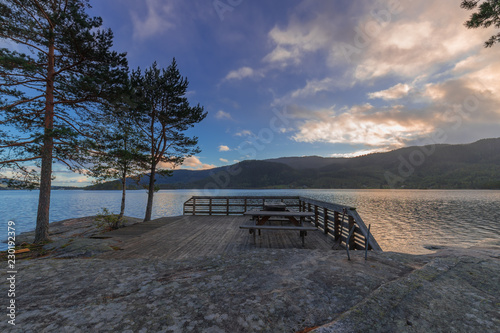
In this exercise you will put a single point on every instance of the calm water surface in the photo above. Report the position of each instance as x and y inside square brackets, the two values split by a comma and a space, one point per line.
[401, 220]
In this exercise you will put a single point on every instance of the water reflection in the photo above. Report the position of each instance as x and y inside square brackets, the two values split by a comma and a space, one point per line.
[402, 220]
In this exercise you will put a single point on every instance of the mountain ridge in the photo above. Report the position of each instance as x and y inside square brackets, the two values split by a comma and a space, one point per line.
[448, 166]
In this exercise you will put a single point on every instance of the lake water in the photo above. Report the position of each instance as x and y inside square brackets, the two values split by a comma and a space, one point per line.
[401, 220]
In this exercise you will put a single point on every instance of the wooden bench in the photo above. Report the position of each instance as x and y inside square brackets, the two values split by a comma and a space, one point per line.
[252, 227]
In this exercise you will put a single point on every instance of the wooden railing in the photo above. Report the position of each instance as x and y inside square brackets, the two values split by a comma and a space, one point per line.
[337, 221]
[237, 205]
[334, 220]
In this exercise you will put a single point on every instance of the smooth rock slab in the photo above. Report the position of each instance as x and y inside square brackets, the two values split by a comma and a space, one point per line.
[260, 291]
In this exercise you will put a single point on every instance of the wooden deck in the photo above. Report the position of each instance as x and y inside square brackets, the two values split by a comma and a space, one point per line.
[183, 237]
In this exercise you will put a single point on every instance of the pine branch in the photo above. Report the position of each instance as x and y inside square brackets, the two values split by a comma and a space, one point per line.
[21, 4]
[11, 37]
[20, 116]
[17, 144]
[68, 122]
[21, 102]
[20, 160]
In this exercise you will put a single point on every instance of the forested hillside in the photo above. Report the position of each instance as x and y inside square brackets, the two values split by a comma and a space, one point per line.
[470, 166]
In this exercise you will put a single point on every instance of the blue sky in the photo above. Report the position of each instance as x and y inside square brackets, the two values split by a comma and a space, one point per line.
[329, 78]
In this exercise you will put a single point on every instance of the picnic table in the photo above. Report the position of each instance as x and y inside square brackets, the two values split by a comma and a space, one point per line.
[261, 217]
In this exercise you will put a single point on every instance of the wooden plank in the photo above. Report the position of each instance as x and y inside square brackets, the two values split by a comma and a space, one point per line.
[278, 227]
[199, 236]
[228, 205]
[278, 213]
[316, 216]
[325, 221]
[352, 243]
[336, 219]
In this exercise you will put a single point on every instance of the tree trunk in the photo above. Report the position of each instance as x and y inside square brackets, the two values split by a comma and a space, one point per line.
[42, 219]
[124, 192]
[151, 191]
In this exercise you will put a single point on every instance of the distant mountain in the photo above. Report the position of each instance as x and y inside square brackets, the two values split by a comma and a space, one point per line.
[469, 166]
[309, 162]
[17, 185]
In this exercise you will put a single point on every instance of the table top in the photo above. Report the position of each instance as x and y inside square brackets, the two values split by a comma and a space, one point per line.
[278, 213]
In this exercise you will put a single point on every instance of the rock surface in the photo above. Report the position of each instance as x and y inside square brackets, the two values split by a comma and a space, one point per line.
[261, 290]
[74, 238]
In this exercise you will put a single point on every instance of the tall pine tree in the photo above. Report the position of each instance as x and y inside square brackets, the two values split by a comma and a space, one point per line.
[58, 69]
[164, 114]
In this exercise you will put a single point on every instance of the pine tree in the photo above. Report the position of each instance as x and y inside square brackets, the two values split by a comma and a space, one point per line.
[59, 67]
[117, 149]
[163, 115]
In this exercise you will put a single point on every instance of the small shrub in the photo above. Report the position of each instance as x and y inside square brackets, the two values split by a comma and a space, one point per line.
[107, 220]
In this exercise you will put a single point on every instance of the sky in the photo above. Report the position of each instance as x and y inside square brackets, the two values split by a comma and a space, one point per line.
[327, 78]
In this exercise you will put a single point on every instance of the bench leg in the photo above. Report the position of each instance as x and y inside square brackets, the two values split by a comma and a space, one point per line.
[253, 231]
[303, 236]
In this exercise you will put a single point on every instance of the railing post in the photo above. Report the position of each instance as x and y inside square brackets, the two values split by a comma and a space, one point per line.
[352, 243]
[325, 220]
[336, 225]
[245, 209]
[316, 216]
[194, 206]
[210, 206]
[227, 206]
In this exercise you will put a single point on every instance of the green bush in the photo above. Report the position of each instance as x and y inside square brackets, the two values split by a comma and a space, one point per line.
[107, 220]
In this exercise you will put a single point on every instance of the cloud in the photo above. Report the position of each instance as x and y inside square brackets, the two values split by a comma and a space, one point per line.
[313, 87]
[224, 148]
[299, 38]
[223, 160]
[421, 51]
[360, 152]
[374, 39]
[70, 179]
[194, 163]
[223, 115]
[244, 133]
[365, 124]
[242, 73]
[158, 19]
[396, 92]
[419, 39]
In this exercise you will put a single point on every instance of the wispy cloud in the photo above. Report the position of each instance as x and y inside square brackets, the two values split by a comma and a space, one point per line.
[396, 92]
[224, 148]
[244, 133]
[243, 72]
[299, 38]
[223, 115]
[157, 19]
